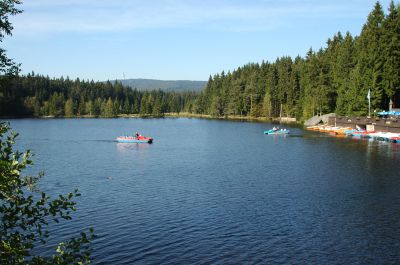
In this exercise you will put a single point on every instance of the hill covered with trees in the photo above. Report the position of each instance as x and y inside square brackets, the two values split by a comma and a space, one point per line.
[165, 85]
[36, 95]
[335, 78]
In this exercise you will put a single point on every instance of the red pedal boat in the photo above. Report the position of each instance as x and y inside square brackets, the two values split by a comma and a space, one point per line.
[132, 139]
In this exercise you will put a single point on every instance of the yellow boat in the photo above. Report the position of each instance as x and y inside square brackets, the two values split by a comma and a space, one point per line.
[313, 128]
[326, 128]
[341, 131]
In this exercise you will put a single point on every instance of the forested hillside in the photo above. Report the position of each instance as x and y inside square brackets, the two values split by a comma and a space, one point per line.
[332, 79]
[33, 95]
[165, 85]
[335, 78]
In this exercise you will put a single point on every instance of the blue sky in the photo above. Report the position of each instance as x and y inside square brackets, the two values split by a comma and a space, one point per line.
[172, 39]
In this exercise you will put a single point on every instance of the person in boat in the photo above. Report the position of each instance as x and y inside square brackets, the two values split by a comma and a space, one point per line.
[274, 129]
[137, 135]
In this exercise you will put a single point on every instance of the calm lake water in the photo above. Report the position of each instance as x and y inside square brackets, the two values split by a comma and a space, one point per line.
[209, 191]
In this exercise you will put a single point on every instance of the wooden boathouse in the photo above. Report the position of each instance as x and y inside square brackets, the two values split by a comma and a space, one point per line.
[371, 124]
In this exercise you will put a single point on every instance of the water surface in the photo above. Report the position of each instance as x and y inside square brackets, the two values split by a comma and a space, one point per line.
[209, 191]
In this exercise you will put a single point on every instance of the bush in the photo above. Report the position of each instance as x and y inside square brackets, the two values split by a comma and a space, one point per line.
[26, 212]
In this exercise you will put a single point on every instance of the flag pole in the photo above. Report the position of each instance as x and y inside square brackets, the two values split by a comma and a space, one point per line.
[369, 102]
[369, 107]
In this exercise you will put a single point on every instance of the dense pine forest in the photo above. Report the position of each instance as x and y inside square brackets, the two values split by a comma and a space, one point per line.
[332, 79]
[336, 78]
[35, 95]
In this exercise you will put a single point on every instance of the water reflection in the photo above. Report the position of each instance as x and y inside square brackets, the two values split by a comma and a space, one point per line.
[128, 147]
[221, 192]
[373, 148]
[278, 137]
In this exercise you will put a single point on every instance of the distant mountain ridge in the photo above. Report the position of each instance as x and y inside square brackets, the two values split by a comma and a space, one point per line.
[166, 85]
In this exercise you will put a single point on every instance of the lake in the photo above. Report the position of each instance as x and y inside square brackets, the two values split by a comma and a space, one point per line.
[212, 191]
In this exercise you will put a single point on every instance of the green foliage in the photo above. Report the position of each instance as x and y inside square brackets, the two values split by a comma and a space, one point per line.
[343, 67]
[42, 96]
[109, 109]
[7, 8]
[267, 106]
[369, 67]
[26, 212]
[8, 68]
[69, 108]
[333, 79]
[56, 105]
[391, 52]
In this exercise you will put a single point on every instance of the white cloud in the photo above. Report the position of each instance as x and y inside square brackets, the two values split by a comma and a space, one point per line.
[124, 15]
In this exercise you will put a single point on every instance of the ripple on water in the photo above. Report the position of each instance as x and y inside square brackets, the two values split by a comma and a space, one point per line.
[212, 192]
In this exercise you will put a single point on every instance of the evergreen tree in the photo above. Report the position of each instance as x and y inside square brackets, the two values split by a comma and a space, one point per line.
[126, 108]
[334, 78]
[342, 70]
[7, 8]
[109, 110]
[370, 62]
[89, 108]
[97, 107]
[267, 105]
[69, 108]
[310, 74]
[81, 106]
[8, 68]
[391, 54]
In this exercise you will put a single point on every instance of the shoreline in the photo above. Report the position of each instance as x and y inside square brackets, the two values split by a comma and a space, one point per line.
[284, 120]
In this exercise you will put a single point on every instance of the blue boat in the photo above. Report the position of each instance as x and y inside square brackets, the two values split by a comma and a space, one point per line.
[350, 132]
[277, 132]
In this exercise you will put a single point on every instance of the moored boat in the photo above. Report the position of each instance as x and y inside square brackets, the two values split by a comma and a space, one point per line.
[386, 136]
[356, 133]
[342, 131]
[350, 132]
[132, 139]
[324, 128]
[313, 128]
[395, 139]
[361, 134]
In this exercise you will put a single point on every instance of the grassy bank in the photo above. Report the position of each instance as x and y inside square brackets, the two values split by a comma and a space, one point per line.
[172, 115]
[230, 117]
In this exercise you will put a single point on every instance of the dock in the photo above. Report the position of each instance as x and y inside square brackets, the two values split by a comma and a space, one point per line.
[370, 124]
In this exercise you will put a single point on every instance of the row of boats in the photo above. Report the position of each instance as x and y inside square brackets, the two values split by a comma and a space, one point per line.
[357, 133]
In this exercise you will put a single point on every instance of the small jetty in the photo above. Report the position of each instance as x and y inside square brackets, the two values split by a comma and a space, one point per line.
[383, 124]
[383, 127]
[357, 132]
